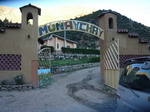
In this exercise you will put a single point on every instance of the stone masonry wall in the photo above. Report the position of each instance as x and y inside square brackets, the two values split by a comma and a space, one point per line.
[73, 67]
[62, 56]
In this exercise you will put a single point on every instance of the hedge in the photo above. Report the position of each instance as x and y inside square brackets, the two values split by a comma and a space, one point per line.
[80, 51]
[94, 59]
[51, 47]
[60, 63]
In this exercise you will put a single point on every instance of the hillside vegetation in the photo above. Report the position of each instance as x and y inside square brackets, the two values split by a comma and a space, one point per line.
[85, 40]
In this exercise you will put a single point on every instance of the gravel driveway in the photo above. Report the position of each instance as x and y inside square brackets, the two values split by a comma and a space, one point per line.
[78, 91]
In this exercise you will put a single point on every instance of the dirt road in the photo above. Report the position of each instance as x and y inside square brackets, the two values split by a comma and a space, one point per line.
[78, 91]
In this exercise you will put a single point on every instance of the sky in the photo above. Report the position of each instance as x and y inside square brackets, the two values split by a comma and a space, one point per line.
[137, 10]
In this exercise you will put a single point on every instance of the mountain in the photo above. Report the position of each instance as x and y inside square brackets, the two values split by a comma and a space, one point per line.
[85, 40]
[47, 15]
[11, 14]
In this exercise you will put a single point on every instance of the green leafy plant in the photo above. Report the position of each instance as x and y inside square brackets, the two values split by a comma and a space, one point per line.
[94, 59]
[4, 82]
[80, 51]
[19, 79]
[60, 63]
[51, 47]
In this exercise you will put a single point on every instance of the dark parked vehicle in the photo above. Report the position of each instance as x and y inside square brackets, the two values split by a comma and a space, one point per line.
[134, 86]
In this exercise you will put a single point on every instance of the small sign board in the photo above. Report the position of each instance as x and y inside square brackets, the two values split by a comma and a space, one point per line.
[44, 77]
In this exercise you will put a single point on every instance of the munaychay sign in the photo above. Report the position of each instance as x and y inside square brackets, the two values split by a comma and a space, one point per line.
[70, 25]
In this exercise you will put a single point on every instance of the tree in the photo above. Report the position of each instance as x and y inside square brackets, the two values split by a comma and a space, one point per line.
[5, 20]
[1, 23]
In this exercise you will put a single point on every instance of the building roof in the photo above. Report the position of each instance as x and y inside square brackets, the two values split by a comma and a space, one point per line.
[133, 35]
[53, 35]
[109, 11]
[122, 30]
[10, 26]
[144, 40]
[39, 10]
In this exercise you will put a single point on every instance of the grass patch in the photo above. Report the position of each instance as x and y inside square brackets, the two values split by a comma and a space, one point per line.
[59, 63]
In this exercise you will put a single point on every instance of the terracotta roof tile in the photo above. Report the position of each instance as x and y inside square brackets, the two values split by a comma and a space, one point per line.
[122, 30]
[133, 35]
[109, 11]
[144, 40]
[12, 25]
[39, 10]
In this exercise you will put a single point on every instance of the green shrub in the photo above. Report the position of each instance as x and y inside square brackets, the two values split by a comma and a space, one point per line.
[94, 59]
[60, 63]
[51, 47]
[18, 79]
[80, 51]
[4, 82]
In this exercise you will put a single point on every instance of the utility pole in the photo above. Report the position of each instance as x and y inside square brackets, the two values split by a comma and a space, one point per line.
[65, 38]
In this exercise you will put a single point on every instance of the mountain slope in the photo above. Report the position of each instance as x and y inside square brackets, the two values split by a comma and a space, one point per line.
[86, 40]
[123, 22]
[11, 14]
[47, 15]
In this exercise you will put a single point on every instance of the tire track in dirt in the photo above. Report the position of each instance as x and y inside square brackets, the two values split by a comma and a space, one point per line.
[109, 102]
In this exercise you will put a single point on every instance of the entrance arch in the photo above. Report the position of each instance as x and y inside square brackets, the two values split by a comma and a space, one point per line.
[71, 25]
[109, 51]
[74, 25]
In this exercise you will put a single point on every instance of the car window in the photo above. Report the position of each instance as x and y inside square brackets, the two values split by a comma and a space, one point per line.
[136, 76]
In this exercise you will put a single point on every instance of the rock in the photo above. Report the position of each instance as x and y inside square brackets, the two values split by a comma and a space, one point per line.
[20, 86]
[7, 86]
[13, 86]
[16, 86]
[29, 85]
[10, 89]
[24, 88]
[29, 88]
[24, 85]
[3, 88]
